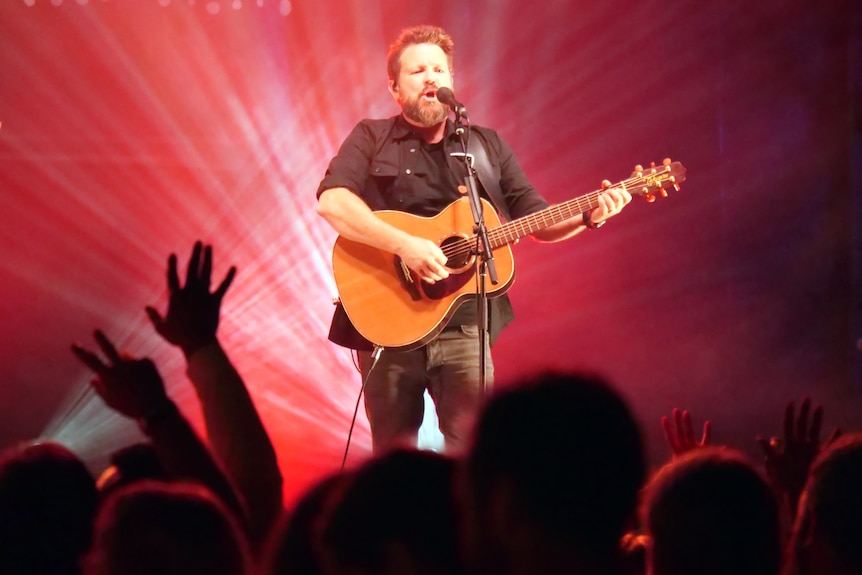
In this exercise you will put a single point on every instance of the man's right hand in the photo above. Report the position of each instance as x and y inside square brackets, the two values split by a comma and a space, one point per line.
[351, 217]
[424, 258]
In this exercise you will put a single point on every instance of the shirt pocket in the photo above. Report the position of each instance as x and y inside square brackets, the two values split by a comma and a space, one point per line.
[383, 168]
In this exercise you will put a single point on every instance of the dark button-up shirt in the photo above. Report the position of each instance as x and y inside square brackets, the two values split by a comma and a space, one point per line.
[383, 162]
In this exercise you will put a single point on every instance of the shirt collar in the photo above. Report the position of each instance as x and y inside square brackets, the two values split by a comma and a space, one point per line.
[404, 131]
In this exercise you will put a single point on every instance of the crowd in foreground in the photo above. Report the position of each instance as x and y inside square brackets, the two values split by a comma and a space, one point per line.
[555, 480]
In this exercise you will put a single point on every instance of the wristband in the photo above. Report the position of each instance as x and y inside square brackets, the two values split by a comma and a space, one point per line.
[590, 224]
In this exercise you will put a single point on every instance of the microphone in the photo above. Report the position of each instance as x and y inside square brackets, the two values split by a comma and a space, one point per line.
[447, 96]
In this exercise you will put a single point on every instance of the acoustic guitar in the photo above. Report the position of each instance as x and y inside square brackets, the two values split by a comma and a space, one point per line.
[395, 310]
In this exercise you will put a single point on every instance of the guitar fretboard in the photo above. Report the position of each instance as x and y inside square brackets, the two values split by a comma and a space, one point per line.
[516, 229]
[643, 183]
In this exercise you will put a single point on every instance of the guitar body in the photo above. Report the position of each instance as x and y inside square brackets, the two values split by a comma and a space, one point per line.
[392, 308]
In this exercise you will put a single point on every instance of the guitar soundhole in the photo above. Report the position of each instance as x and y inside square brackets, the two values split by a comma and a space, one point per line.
[460, 260]
[459, 252]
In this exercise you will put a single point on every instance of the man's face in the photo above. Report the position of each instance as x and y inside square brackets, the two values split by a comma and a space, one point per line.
[424, 69]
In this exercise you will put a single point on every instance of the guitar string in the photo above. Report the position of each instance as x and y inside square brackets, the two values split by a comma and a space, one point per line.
[464, 245]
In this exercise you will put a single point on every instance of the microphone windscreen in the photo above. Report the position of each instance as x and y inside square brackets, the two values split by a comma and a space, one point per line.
[447, 96]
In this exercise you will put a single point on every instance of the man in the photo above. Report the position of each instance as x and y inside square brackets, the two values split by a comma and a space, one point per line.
[710, 512]
[551, 480]
[405, 163]
[828, 526]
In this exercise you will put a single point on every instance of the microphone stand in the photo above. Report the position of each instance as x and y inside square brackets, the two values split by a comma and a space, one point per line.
[485, 266]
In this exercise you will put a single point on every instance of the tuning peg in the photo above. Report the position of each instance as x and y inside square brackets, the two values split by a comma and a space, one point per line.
[649, 197]
[672, 180]
[666, 162]
[663, 193]
[639, 168]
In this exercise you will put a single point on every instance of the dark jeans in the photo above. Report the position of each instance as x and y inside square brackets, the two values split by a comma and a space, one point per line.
[448, 367]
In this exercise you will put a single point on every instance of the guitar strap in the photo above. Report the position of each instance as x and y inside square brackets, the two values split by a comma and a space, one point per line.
[488, 177]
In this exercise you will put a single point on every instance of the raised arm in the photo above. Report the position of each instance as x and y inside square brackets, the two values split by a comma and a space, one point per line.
[788, 459]
[234, 428]
[133, 387]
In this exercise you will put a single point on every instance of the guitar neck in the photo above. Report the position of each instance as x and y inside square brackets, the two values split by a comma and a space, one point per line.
[535, 222]
[641, 183]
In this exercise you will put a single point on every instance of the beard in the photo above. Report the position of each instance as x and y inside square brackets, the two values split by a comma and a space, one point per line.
[425, 113]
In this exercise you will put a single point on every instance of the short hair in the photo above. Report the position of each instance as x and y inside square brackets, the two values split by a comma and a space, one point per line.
[572, 451]
[129, 464]
[295, 547]
[48, 500]
[404, 497]
[167, 528]
[711, 512]
[832, 501]
[423, 34]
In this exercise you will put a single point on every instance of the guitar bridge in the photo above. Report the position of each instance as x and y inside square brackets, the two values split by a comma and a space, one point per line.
[406, 276]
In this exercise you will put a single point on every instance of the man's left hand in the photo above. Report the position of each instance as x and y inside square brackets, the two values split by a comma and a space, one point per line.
[611, 202]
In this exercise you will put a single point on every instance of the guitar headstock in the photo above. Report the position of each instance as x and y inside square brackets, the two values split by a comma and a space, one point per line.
[656, 179]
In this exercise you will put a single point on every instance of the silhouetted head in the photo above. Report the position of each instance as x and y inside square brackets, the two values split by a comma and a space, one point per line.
[130, 464]
[48, 501]
[397, 515]
[710, 512]
[557, 458]
[171, 529]
[827, 536]
[295, 545]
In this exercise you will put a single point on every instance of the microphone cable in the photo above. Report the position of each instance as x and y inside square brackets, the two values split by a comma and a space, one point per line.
[375, 356]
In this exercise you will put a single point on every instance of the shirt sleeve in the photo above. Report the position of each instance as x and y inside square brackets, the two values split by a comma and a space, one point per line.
[349, 168]
[521, 197]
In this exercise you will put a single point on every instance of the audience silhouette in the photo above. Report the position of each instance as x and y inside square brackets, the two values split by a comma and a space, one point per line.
[709, 512]
[150, 528]
[789, 458]
[827, 535]
[234, 428]
[48, 500]
[551, 483]
[397, 515]
[134, 388]
[130, 464]
[552, 478]
[296, 547]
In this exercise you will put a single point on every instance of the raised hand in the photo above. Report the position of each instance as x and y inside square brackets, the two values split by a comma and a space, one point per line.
[789, 459]
[130, 386]
[234, 429]
[134, 388]
[680, 434]
[193, 312]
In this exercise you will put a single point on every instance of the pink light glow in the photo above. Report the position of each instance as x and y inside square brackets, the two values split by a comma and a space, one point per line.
[130, 130]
